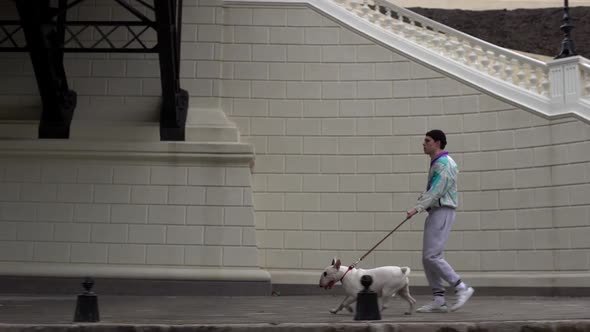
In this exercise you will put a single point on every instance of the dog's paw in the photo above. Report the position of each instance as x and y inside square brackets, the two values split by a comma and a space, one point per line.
[407, 313]
[334, 311]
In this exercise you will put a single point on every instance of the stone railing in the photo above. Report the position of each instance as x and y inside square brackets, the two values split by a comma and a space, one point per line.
[511, 67]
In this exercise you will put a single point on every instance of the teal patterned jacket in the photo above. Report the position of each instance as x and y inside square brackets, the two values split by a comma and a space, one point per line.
[442, 185]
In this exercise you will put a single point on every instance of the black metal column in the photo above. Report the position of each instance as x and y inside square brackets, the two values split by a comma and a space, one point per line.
[44, 42]
[174, 100]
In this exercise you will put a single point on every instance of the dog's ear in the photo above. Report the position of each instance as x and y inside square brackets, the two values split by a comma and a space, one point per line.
[333, 261]
[337, 265]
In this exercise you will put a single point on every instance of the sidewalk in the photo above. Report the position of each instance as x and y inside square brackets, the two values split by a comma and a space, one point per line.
[289, 313]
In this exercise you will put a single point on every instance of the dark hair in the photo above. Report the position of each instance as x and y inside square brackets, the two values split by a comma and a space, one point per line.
[438, 136]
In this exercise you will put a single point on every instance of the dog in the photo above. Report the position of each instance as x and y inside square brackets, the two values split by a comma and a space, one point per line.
[387, 281]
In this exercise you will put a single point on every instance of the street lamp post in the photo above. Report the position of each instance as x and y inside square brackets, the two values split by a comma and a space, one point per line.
[567, 45]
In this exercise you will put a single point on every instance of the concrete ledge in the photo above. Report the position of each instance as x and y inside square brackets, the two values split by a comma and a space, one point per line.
[143, 287]
[128, 150]
[495, 280]
[295, 289]
[131, 272]
[44, 278]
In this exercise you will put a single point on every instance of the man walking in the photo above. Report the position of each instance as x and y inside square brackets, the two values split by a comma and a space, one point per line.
[440, 200]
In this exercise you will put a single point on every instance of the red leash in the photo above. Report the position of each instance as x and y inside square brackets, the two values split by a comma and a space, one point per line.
[353, 265]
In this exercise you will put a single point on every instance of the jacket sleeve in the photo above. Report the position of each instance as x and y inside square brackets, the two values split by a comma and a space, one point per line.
[440, 184]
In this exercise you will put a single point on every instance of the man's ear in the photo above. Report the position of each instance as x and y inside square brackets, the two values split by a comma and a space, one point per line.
[337, 265]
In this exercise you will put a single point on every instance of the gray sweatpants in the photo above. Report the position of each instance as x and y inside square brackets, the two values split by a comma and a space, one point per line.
[436, 232]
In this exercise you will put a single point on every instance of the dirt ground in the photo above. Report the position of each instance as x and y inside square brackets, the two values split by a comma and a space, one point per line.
[528, 30]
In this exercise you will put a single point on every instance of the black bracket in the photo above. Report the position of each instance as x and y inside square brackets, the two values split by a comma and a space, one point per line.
[44, 31]
[174, 100]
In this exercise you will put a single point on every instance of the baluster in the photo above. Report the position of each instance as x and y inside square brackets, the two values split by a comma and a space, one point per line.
[448, 46]
[545, 84]
[398, 26]
[533, 79]
[421, 36]
[520, 74]
[375, 16]
[454, 47]
[437, 43]
[497, 66]
[409, 30]
[508, 70]
[472, 56]
[461, 52]
[429, 37]
[387, 20]
[365, 9]
[485, 61]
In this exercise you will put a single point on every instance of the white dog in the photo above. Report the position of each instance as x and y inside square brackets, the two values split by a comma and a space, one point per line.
[387, 281]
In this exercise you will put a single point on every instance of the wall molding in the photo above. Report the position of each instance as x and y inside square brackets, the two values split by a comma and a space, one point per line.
[487, 279]
[177, 152]
[33, 269]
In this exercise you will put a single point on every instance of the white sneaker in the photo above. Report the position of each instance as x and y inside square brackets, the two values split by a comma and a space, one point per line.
[463, 296]
[433, 307]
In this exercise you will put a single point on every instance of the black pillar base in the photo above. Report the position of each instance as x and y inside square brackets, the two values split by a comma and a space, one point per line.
[87, 309]
[367, 306]
[87, 304]
[173, 117]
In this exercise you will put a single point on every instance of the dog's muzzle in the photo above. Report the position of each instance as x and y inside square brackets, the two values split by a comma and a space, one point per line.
[328, 285]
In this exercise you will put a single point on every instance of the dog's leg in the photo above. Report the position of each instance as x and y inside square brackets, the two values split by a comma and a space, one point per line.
[404, 293]
[341, 306]
[385, 300]
[348, 304]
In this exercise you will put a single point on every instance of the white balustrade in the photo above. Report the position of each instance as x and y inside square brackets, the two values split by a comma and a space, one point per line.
[511, 67]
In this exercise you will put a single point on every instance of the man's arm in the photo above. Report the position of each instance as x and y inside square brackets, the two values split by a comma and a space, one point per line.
[439, 186]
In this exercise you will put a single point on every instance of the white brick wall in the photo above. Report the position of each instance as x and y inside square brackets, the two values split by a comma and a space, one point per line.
[339, 155]
[113, 213]
[337, 123]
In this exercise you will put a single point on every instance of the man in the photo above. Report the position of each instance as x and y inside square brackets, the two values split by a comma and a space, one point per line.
[440, 200]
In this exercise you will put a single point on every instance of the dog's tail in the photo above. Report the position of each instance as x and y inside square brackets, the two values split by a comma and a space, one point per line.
[405, 270]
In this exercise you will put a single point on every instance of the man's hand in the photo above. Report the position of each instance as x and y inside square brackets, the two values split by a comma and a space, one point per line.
[411, 213]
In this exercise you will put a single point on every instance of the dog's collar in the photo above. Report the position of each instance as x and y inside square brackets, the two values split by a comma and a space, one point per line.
[349, 268]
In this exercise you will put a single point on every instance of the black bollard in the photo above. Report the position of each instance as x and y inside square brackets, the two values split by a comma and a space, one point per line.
[87, 304]
[367, 306]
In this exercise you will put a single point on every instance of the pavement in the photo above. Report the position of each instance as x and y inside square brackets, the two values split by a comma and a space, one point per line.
[287, 313]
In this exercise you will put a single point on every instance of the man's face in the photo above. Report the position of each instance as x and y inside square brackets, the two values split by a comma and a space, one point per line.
[429, 145]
